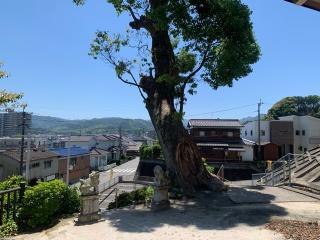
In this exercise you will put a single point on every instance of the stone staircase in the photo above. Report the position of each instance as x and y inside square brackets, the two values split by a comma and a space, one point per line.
[303, 170]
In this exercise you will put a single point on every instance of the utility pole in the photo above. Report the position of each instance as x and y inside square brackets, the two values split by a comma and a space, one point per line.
[120, 141]
[23, 125]
[259, 130]
[28, 157]
[68, 160]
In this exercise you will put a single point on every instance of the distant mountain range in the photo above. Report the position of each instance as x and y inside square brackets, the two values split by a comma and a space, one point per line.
[53, 125]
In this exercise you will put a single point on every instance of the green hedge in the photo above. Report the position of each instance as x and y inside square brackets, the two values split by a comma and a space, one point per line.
[150, 152]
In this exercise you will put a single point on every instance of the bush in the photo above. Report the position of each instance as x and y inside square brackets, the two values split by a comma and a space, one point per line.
[7, 229]
[12, 182]
[71, 201]
[45, 202]
[137, 196]
[150, 152]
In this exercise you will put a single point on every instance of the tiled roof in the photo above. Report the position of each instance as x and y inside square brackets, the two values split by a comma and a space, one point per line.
[80, 138]
[220, 123]
[74, 151]
[34, 155]
[98, 151]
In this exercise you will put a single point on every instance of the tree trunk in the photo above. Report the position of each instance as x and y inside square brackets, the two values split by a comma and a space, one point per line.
[182, 157]
[181, 154]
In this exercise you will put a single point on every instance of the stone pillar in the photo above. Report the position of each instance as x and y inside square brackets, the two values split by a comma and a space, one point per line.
[89, 210]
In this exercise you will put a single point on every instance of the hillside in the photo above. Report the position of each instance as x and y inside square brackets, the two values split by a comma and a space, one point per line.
[45, 124]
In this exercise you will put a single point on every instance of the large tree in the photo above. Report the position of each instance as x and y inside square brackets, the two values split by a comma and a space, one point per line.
[297, 105]
[7, 97]
[179, 43]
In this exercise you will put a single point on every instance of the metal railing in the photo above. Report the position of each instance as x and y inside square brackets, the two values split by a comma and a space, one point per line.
[280, 172]
[9, 202]
[106, 196]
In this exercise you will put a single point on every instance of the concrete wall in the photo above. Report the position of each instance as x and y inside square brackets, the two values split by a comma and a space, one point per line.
[253, 126]
[9, 167]
[248, 154]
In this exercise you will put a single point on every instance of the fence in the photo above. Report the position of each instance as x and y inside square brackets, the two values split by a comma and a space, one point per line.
[114, 181]
[9, 202]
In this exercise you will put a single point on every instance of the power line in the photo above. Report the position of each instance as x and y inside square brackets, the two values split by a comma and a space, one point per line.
[222, 110]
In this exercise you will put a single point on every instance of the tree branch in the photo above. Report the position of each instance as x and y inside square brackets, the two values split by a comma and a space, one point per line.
[204, 59]
[133, 84]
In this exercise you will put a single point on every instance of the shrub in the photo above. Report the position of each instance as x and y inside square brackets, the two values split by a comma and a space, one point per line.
[45, 202]
[71, 201]
[150, 152]
[12, 182]
[137, 196]
[9, 228]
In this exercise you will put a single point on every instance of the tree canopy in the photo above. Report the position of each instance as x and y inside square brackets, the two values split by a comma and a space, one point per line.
[211, 40]
[7, 97]
[300, 106]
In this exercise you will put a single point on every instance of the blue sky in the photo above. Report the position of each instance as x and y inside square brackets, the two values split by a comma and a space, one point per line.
[44, 46]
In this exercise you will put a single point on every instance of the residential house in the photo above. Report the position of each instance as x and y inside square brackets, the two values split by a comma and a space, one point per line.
[43, 164]
[217, 139]
[275, 138]
[86, 142]
[313, 4]
[306, 132]
[79, 165]
[290, 134]
[99, 159]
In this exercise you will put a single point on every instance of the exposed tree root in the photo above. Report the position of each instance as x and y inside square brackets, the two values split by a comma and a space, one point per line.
[192, 172]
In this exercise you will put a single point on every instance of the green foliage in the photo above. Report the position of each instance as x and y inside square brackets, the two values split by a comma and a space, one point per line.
[45, 202]
[300, 106]
[8, 229]
[150, 152]
[7, 97]
[215, 37]
[137, 196]
[11, 182]
[209, 168]
[71, 201]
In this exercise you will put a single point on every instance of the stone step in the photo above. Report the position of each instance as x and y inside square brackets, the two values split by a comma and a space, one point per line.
[303, 170]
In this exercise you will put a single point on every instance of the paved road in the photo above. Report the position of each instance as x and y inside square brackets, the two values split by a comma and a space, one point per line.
[127, 169]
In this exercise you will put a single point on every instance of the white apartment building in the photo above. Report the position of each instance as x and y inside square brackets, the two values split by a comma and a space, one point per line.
[306, 132]
[292, 134]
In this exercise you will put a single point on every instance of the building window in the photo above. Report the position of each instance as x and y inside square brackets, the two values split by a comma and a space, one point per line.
[35, 165]
[246, 133]
[230, 134]
[297, 132]
[303, 132]
[47, 164]
[305, 149]
[263, 132]
[251, 132]
[202, 133]
[73, 162]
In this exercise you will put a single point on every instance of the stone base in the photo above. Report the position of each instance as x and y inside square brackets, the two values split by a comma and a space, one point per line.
[94, 217]
[89, 210]
[160, 199]
[159, 206]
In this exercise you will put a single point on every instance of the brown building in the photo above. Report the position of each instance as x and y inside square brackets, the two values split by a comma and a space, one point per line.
[217, 139]
[79, 165]
[313, 4]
